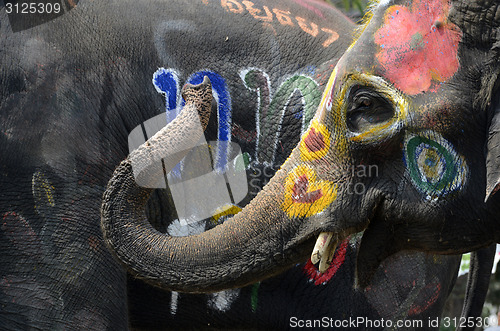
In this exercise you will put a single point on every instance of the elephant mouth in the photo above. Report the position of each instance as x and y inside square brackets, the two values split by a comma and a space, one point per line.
[328, 239]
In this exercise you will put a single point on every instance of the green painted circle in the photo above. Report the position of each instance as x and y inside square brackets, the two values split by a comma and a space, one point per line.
[450, 170]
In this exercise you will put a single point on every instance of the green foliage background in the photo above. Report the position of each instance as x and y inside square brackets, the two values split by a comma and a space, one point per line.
[348, 5]
[353, 8]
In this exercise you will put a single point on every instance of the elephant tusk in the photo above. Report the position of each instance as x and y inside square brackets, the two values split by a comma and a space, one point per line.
[327, 259]
[324, 250]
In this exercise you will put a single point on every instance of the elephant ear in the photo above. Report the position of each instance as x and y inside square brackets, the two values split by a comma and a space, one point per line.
[493, 143]
[493, 149]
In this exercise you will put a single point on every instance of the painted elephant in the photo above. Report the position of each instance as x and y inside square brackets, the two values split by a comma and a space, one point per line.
[415, 97]
[75, 86]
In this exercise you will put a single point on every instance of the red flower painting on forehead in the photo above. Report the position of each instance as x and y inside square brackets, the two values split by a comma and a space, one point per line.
[418, 46]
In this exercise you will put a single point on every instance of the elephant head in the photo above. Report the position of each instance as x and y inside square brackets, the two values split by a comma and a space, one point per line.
[405, 146]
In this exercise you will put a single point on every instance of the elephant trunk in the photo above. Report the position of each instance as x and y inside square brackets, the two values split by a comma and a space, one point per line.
[244, 249]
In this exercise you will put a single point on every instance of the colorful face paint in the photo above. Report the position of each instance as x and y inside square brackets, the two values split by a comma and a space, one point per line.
[418, 46]
[271, 113]
[305, 195]
[315, 143]
[227, 210]
[379, 132]
[434, 166]
[43, 193]
[327, 100]
[432, 292]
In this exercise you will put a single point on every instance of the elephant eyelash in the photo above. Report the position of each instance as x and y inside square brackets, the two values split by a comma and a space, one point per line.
[367, 108]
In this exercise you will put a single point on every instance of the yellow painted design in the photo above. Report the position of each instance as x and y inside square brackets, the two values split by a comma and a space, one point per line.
[225, 211]
[325, 104]
[305, 195]
[315, 143]
[384, 130]
[43, 191]
[362, 25]
[332, 103]
[339, 121]
[328, 112]
[430, 164]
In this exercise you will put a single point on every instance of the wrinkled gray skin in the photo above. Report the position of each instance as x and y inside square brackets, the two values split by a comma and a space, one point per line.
[379, 125]
[73, 89]
[399, 209]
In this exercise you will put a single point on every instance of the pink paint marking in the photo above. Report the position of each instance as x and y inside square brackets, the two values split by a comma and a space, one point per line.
[301, 193]
[415, 54]
[20, 234]
[306, 4]
[428, 296]
[238, 132]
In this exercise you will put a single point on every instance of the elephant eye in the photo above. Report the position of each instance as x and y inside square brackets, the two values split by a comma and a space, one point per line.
[367, 108]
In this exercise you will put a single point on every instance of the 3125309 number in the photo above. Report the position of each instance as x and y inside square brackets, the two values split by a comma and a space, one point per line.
[33, 8]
